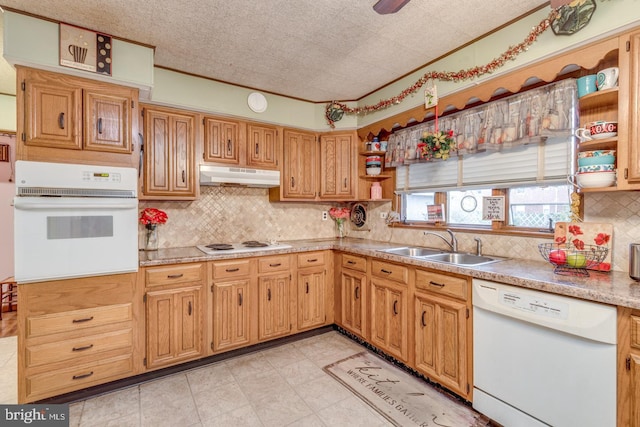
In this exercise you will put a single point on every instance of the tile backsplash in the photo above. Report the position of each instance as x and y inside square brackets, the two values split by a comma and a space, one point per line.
[234, 214]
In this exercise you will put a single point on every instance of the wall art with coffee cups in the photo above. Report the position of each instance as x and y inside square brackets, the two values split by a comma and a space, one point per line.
[85, 49]
[527, 117]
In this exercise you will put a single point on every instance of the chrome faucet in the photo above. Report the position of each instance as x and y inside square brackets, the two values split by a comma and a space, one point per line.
[478, 246]
[453, 244]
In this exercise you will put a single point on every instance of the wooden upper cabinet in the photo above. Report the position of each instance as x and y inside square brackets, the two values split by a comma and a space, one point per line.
[222, 142]
[299, 170]
[262, 146]
[633, 55]
[169, 154]
[107, 120]
[338, 166]
[58, 113]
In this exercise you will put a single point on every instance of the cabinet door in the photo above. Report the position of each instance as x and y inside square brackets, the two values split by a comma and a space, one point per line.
[53, 116]
[635, 390]
[174, 326]
[389, 318]
[441, 336]
[221, 141]
[300, 166]
[169, 152]
[338, 167]
[311, 297]
[274, 312]
[353, 301]
[231, 314]
[262, 147]
[634, 107]
[107, 120]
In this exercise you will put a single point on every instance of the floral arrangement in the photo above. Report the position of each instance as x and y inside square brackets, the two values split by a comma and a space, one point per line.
[339, 215]
[152, 216]
[436, 145]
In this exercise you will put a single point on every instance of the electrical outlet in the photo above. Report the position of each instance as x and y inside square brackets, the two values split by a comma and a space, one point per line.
[325, 215]
[383, 215]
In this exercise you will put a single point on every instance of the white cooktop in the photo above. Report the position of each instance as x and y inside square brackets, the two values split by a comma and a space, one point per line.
[237, 248]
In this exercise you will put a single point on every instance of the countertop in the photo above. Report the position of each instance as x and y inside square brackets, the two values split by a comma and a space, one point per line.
[614, 288]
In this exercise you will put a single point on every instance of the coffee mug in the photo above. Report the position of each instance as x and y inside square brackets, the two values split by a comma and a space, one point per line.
[586, 85]
[607, 78]
[583, 134]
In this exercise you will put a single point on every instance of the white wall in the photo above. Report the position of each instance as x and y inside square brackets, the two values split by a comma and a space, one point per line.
[7, 190]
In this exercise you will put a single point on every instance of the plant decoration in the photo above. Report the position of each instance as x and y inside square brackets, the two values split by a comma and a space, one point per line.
[436, 145]
[335, 109]
[151, 217]
[340, 215]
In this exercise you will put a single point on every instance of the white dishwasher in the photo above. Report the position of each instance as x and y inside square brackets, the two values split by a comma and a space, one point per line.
[542, 359]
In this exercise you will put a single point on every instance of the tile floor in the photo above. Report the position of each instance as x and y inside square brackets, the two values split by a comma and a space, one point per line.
[281, 386]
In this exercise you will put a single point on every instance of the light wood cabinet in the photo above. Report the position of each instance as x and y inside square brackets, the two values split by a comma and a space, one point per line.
[338, 166]
[274, 297]
[353, 294]
[76, 333]
[628, 381]
[313, 290]
[70, 119]
[263, 147]
[389, 308]
[300, 166]
[169, 154]
[174, 314]
[232, 299]
[443, 330]
[632, 48]
[222, 141]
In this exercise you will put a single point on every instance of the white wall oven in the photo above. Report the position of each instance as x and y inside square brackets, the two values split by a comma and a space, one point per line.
[74, 220]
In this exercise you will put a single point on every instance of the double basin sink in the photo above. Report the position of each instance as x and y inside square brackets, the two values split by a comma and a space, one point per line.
[435, 255]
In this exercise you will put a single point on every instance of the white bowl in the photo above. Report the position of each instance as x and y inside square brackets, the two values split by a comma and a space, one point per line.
[374, 171]
[596, 179]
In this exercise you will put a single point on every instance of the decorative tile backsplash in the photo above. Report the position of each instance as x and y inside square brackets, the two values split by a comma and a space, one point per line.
[234, 214]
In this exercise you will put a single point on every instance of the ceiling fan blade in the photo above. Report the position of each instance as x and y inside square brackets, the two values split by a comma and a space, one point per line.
[384, 7]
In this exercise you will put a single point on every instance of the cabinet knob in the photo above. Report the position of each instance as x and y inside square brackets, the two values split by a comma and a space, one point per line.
[395, 307]
[357, 292]
[422, 321]
[307, 285]
[61, 120]
[100, 125]
[229, 146]
[268, 294]
[190, 309]
[240, 299]
[257, 150]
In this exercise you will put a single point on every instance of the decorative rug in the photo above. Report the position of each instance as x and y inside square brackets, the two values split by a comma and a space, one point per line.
[401, 398]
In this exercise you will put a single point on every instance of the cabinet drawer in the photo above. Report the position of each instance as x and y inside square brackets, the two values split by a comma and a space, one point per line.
[389, 271]
[442, 284]
[77, 377]
[79, 347]
[635, 331]
[310, 259]
[230, 269]
[78, 319]
[354, 262]
[273, 264]
[158, 276]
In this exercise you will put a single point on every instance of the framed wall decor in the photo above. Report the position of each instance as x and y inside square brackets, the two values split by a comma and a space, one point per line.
[85, 49]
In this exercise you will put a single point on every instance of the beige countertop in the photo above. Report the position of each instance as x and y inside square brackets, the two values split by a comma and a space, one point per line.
[615, 288]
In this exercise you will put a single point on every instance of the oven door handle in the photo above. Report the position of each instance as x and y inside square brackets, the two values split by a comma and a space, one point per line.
[37, 206]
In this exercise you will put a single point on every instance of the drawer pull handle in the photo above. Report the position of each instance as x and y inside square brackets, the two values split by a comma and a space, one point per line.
[190, 308]
[357, 292]
[61, 120]
[424, 323]
[232, 270]
[240, 299]
[351, 262]
[440, 285]
[395, 307]
[100, 125]
[257, 150]
[184, 176]
[345, 183]
[86, 347]
[79, 377]
[313, 260]
[293, 182]
[307, 284]
[275, 265]
[86, 319]
[385, 271]
[268, 294]
[229, 146]
[174, 276]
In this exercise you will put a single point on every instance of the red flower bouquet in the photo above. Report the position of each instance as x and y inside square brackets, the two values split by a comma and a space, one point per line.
[153, 216]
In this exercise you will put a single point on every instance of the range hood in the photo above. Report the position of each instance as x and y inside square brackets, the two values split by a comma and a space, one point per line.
[224, 175]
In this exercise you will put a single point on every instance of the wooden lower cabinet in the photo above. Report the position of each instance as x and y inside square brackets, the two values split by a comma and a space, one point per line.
[628, 367]
[389, 317]
[313, 290]
[174, 325]
[231, 321]
[174, 314]
[274, 312]
[76, 333]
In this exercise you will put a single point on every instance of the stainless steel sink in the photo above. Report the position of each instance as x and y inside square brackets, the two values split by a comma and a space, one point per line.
[461, 258]
[413, 251]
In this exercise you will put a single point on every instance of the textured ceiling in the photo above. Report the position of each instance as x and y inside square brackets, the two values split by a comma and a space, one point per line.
[317, 50]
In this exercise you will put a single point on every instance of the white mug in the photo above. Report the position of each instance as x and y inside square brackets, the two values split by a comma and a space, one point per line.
[607, 78]
[583, 134]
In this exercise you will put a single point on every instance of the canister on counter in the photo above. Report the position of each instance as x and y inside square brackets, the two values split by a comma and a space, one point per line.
[634, 261]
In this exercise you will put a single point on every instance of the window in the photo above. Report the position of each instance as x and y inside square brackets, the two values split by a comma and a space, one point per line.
[465, 207]
[539, 207]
